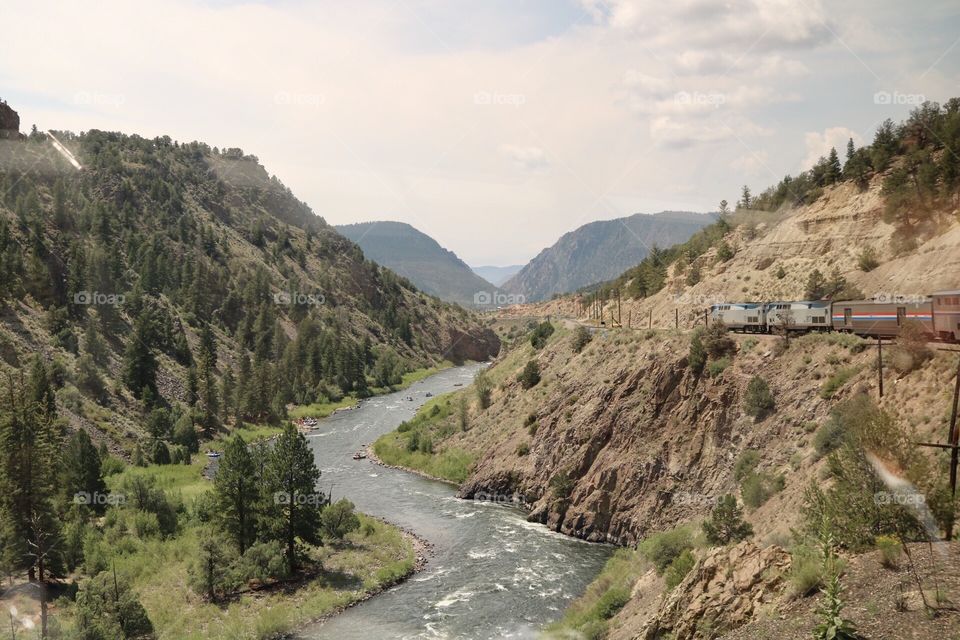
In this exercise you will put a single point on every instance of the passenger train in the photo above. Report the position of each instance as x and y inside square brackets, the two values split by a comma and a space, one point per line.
[938, 314]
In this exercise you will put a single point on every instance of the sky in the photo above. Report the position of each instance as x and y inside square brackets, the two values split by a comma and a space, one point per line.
[495, 126]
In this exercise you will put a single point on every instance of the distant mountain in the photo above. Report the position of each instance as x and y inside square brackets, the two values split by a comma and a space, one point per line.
[497, 275]
[601, 250]
[419, 258]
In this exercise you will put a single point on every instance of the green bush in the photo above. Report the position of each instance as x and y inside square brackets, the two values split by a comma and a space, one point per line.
[611, 602]
[679, 568]
[426, 445]
[107, 607]
[562, 485]
[716, 367]
[867, 260]
[262, 562]
[581, 338]
[758, 401]
[540, 335]
[530, 376]
[745, 464]
[836, 381]
[806, 571]
[717, 340]
[663, 548]
[829, 437]
[413, 442]
[523, 449]
[339, 519]
[757, 488]
[724, 251]
[697, 358]
[890, 550]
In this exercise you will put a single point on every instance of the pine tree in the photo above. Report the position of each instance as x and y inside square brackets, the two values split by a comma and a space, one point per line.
[237, 495]
[29, 456]
[139, 363]
[94, 345]
[726, 523]
[291, 477]
[833, 170]
[816, 286]
[81, 478]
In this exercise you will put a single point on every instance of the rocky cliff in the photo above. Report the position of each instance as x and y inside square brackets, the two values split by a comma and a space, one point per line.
[9, 122]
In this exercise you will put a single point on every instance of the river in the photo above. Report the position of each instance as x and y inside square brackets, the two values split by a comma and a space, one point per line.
[492, 574]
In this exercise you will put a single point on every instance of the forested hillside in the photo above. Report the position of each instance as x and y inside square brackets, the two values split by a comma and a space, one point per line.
[600, 250]
[415, 255]
[171, 289]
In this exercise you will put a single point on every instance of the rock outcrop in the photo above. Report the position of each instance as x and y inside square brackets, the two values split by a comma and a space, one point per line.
[9, 122]
[722, 592]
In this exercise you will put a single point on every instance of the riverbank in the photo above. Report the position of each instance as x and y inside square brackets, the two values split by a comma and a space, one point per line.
[375, 459]
[422, 550]
[342, 573]
[410, 447]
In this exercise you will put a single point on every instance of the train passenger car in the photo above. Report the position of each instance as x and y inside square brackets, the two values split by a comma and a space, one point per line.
[805, 315]
[880, 319]
[946, 315]
[740, 316]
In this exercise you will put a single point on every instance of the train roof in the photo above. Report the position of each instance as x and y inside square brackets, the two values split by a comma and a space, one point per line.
[736, 304]
[890, 302]
[807, 302]
[953, 292]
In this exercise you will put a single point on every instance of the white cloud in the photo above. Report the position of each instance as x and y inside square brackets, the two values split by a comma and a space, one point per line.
[752, 164]
[754, 24]
[818, 145]
[526, 158]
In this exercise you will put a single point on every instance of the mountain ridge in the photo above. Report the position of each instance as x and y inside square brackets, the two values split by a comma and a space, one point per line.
[418, 257]
[600, 250]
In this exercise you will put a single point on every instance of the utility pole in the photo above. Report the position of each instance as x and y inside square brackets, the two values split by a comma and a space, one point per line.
[880, 364]
[630, 319]
[954, 434]
[952, 443]
[619, 314]
[676, 321]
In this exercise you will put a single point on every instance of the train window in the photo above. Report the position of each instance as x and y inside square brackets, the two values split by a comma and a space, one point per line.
[847, 315]
[901, 315]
